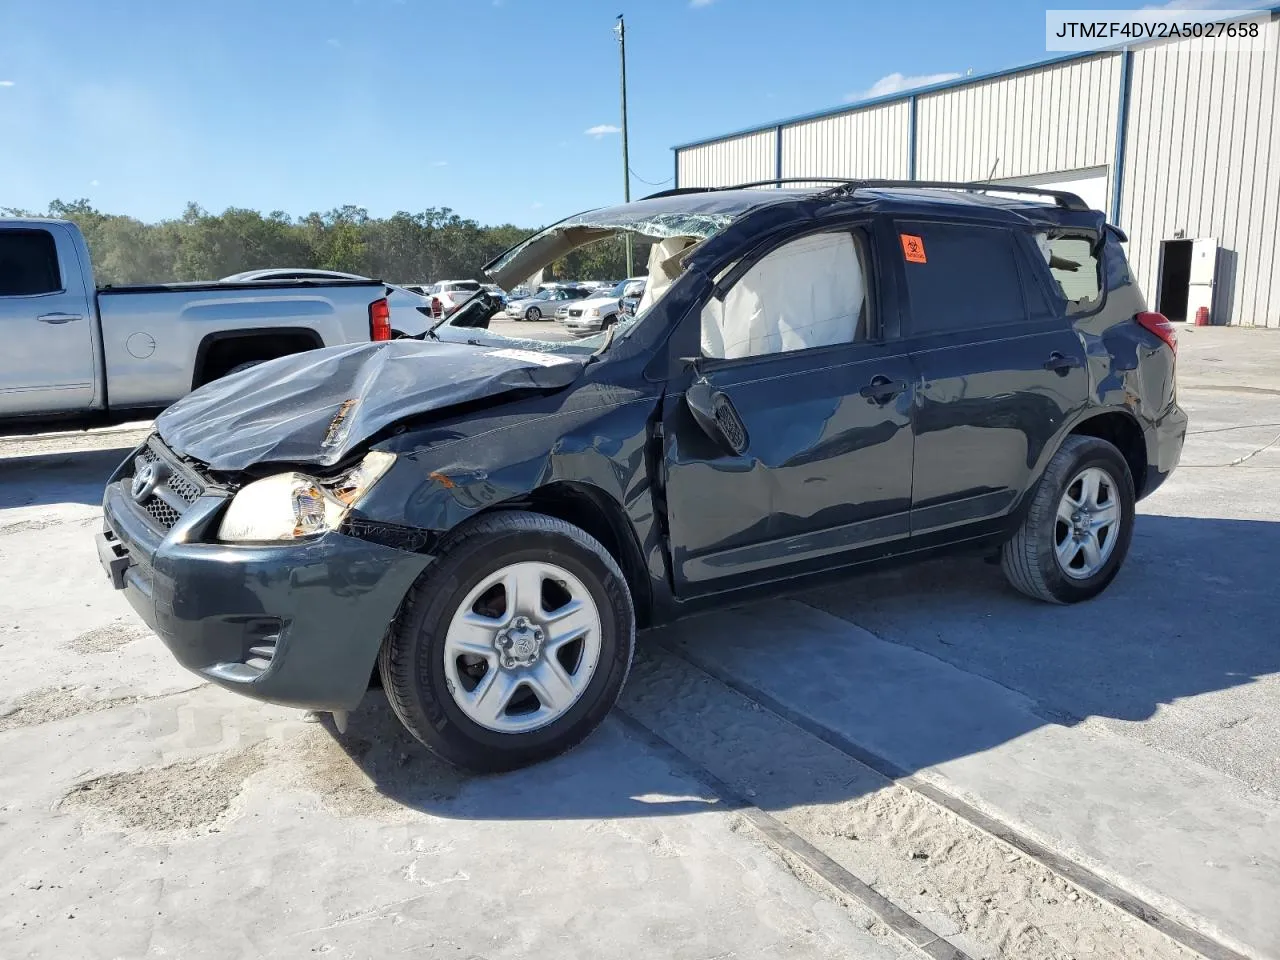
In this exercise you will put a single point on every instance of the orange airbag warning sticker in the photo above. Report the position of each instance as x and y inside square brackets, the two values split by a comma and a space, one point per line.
[913, 248]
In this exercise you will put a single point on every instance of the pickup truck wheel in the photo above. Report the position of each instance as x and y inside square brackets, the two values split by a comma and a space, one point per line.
[513, 645]
[243, 366]
[1076, 533]
[533, 314]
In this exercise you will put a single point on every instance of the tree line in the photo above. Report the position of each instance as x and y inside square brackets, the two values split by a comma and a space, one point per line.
[436, 244]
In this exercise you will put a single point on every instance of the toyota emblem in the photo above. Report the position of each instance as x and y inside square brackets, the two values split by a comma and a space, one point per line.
[144, 482]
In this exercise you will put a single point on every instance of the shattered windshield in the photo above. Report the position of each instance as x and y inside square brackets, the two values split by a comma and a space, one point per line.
[574, 250]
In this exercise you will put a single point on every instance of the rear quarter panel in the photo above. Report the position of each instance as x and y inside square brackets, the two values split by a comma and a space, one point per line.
[1131, 371]
[151, 336]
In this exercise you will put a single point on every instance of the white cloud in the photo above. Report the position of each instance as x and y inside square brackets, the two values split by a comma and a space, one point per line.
[897, 82]
[1208, 5]
[600, 129]
[93, 183]
[8, 83]
[334, 42]
[439, 163]
[536, 205]
[701, 3]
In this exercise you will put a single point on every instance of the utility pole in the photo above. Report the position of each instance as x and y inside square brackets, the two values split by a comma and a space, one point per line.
[620, 28]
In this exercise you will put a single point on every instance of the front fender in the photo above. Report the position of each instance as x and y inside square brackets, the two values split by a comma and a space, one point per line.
[446, 474]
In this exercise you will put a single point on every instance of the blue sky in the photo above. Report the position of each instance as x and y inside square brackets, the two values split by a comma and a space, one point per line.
[479, 105]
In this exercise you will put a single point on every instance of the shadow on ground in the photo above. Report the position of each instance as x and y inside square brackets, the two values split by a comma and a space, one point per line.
[49, 478]
[1192, 612]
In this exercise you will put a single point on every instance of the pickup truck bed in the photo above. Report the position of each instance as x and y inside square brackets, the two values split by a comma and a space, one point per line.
[68, 350]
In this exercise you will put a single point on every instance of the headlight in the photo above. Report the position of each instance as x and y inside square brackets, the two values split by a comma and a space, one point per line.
[291, 505]
[593, 312]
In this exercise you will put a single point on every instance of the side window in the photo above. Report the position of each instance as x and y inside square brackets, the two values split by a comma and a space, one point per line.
[28, 263]
[811, 292]
[1074, 268]
[960, 276]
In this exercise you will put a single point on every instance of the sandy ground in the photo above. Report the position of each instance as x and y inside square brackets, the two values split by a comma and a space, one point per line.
[143, 813]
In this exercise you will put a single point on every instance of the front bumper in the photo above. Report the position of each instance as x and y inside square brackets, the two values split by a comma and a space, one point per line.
[583, 324]
[296, 623]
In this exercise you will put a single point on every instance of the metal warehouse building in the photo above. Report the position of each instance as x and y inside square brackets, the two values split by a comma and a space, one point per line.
[1178, 144]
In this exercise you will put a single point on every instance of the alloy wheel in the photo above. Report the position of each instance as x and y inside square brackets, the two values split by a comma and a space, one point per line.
[522, 647]
[1087, 524]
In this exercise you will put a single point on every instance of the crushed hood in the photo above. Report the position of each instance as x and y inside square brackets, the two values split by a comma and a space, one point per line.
[315, 408]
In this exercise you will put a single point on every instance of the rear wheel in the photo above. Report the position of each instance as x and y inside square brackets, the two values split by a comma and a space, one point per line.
[1076, 533]
[513, 645]
[533, 313]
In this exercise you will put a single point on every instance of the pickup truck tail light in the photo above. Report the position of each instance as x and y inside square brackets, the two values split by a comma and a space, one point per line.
[380, 320]
[1159, 324]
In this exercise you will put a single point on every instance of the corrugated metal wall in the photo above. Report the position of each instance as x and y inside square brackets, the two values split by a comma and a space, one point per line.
[1203, 156]
[867, 143]
[739, 160]
[1202, 151]
[1051, 119]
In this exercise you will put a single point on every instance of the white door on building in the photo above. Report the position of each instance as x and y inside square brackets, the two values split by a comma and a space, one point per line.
[1204, 274]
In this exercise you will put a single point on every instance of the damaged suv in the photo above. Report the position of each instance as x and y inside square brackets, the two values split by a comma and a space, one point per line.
[817, 379]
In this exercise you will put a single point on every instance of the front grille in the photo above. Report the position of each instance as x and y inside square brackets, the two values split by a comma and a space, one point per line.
[188, 490]
[161, 512]
[575, 313]
[178, 488]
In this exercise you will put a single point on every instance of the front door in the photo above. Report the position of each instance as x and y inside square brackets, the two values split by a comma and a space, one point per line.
[788, 445]
[46, 357]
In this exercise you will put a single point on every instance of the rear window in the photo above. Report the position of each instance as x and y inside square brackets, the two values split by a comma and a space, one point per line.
[1074, 268]
[960, 276]
[28, 263]
[471, 285]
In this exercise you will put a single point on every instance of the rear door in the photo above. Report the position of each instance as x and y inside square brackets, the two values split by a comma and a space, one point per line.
[1001, 368]
[788, 446]
[46, 334]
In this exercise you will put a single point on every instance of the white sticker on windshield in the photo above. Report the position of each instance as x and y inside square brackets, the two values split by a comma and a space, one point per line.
[531, 356]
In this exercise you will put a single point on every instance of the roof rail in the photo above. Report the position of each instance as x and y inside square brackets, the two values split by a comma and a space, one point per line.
[847, 188]
[1062, 198]
[775, 182]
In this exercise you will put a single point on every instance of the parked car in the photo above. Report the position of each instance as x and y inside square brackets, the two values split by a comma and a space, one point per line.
[826, 380]
[451, 294]
[73, 351]
[631, 296]
[596, 312]
[544, 303]
[409, 316]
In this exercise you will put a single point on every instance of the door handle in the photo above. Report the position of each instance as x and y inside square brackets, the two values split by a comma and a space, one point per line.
[58, 317]
[881, 389]
[1061, 364]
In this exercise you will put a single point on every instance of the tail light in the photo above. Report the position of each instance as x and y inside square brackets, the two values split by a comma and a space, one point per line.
[1159, 324]
[437, 308]
[380, 320]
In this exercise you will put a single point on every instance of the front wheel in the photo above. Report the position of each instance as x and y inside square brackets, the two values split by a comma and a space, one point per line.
[513, 645]
[1076, 533]
[533, 313]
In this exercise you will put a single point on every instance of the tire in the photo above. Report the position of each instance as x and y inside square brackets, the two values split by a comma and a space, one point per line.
[533, 314]
[1030, 559]
[425, 679]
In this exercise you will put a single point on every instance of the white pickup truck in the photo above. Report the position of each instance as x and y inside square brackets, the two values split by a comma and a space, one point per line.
[71, 351]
